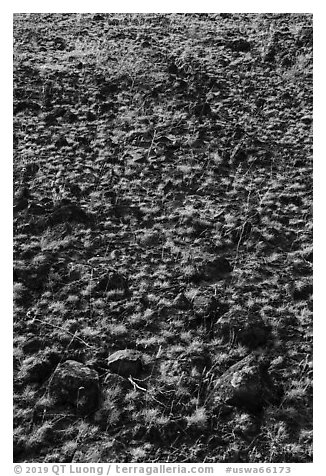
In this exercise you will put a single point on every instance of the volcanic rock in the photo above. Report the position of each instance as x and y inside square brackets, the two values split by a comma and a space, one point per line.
[301, 292]
[67, 211]
[29, 171]
[181, 302]
[113, 380]
[246, 385]
[112, 281]
[206, 312]
[21, 199]
[215, 269]
[240, 44]
[38, 368]
[77, 384]
[250, 331]
[204, 305]
[126, 363]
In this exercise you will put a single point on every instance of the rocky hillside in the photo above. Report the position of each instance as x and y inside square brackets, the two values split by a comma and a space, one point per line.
[162, 238]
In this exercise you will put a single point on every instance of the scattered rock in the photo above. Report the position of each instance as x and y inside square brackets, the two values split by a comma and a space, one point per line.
[77, 384]
[168, 186]
[240, 44]
[269, 54]
[107, 88]
[216, 269]
[126, 363]
[29, 105]
[200, 361]
[302, 291]
[21, 199]
[207, 310]
[98, 17]
[21, 294]
[289, 198]
[113, 281]
[306, 119]
[32, 345]
[29, 171]
[250, 331]
[59, 43]
[308, 255]
[75, 190]
[70, 117]
[19, 446]
[181, 302]
[286, 61]
[150, 239]
[61, 142]
[32, 275]
[204, 305]
[305, 37]
[246, 385]
[67, 211]
[38, 368]
[202, 109]
[90, 116]
[52, 116]
[173, 69]
[302, 268]
[113, 380]
[36, 209]
[247, 425]
[254, 334]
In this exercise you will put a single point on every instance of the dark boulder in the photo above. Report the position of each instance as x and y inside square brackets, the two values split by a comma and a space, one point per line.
[66, 211]
[240, 45]
[21, 199]
[215, 270]
[33, 275]
[26, 105]
[76, 384]
[111, 282]
[181, 302]
[126, 363]
[29, 171]
[202, 109]
[302, 291]
[61, 142]
[55, 113]
[59, 43]
[207, 310]
[173, 69]
[255, 334]
[98, 17]
[32, 345]
[246, 385]
[115, 381]
[305, 37]
[37, 368]
[248, 330]
[205, 305]
[200, 361]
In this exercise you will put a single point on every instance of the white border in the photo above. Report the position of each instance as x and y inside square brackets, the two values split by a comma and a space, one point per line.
[167, 6]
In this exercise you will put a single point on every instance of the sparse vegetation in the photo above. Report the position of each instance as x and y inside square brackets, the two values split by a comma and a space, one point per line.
[162, 207]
